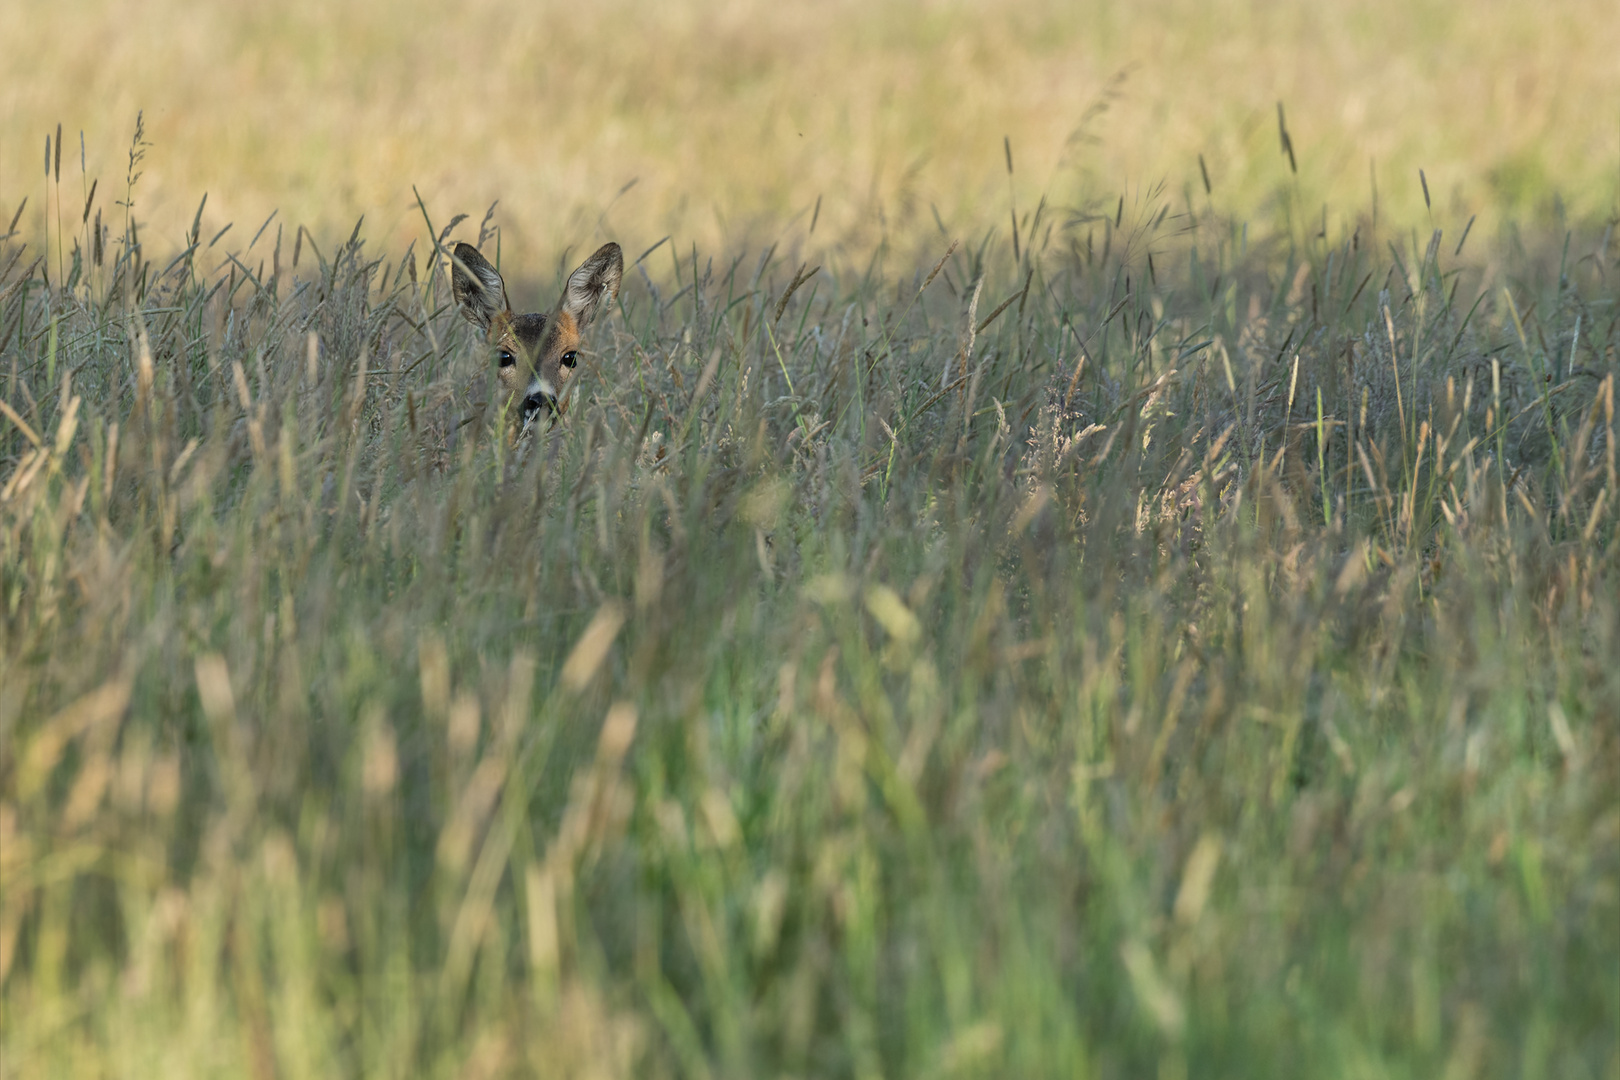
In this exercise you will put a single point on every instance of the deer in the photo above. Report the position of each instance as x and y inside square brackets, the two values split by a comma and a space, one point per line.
[537, 353]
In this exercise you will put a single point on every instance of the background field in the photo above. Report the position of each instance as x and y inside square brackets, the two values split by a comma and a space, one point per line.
[1034, 616]
[734, 118]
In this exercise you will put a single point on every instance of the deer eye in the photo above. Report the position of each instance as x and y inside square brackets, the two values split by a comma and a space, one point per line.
[570, 358]
[507, 359]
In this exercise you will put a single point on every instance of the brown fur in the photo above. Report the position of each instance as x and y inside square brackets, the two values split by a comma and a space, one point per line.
[537, 353]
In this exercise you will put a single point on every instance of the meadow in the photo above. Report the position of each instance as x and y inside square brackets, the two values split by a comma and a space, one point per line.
[1064, 580]
[726, 122]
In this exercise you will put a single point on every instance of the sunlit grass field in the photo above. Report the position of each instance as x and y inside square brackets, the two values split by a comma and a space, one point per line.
[1037, 579]
[732, 119]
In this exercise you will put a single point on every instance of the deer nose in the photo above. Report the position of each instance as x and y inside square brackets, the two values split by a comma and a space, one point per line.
[539, 398]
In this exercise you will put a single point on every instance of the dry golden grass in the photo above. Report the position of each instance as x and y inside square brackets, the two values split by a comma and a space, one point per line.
[736, 117]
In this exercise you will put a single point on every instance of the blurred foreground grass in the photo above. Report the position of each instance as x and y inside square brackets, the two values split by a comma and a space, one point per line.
[733, 118]
[1137, 646]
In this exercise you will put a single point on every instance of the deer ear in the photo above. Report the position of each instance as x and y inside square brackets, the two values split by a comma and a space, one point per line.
[593, 285]
[477, 286]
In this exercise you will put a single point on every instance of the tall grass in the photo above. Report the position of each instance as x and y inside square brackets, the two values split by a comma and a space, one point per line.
[1134, 645]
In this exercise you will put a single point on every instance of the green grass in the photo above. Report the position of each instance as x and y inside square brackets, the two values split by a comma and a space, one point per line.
[1203, 667]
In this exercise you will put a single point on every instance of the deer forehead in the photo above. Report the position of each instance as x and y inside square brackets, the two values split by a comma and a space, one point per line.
[567, 333]
[522, 335]
[525, 336]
